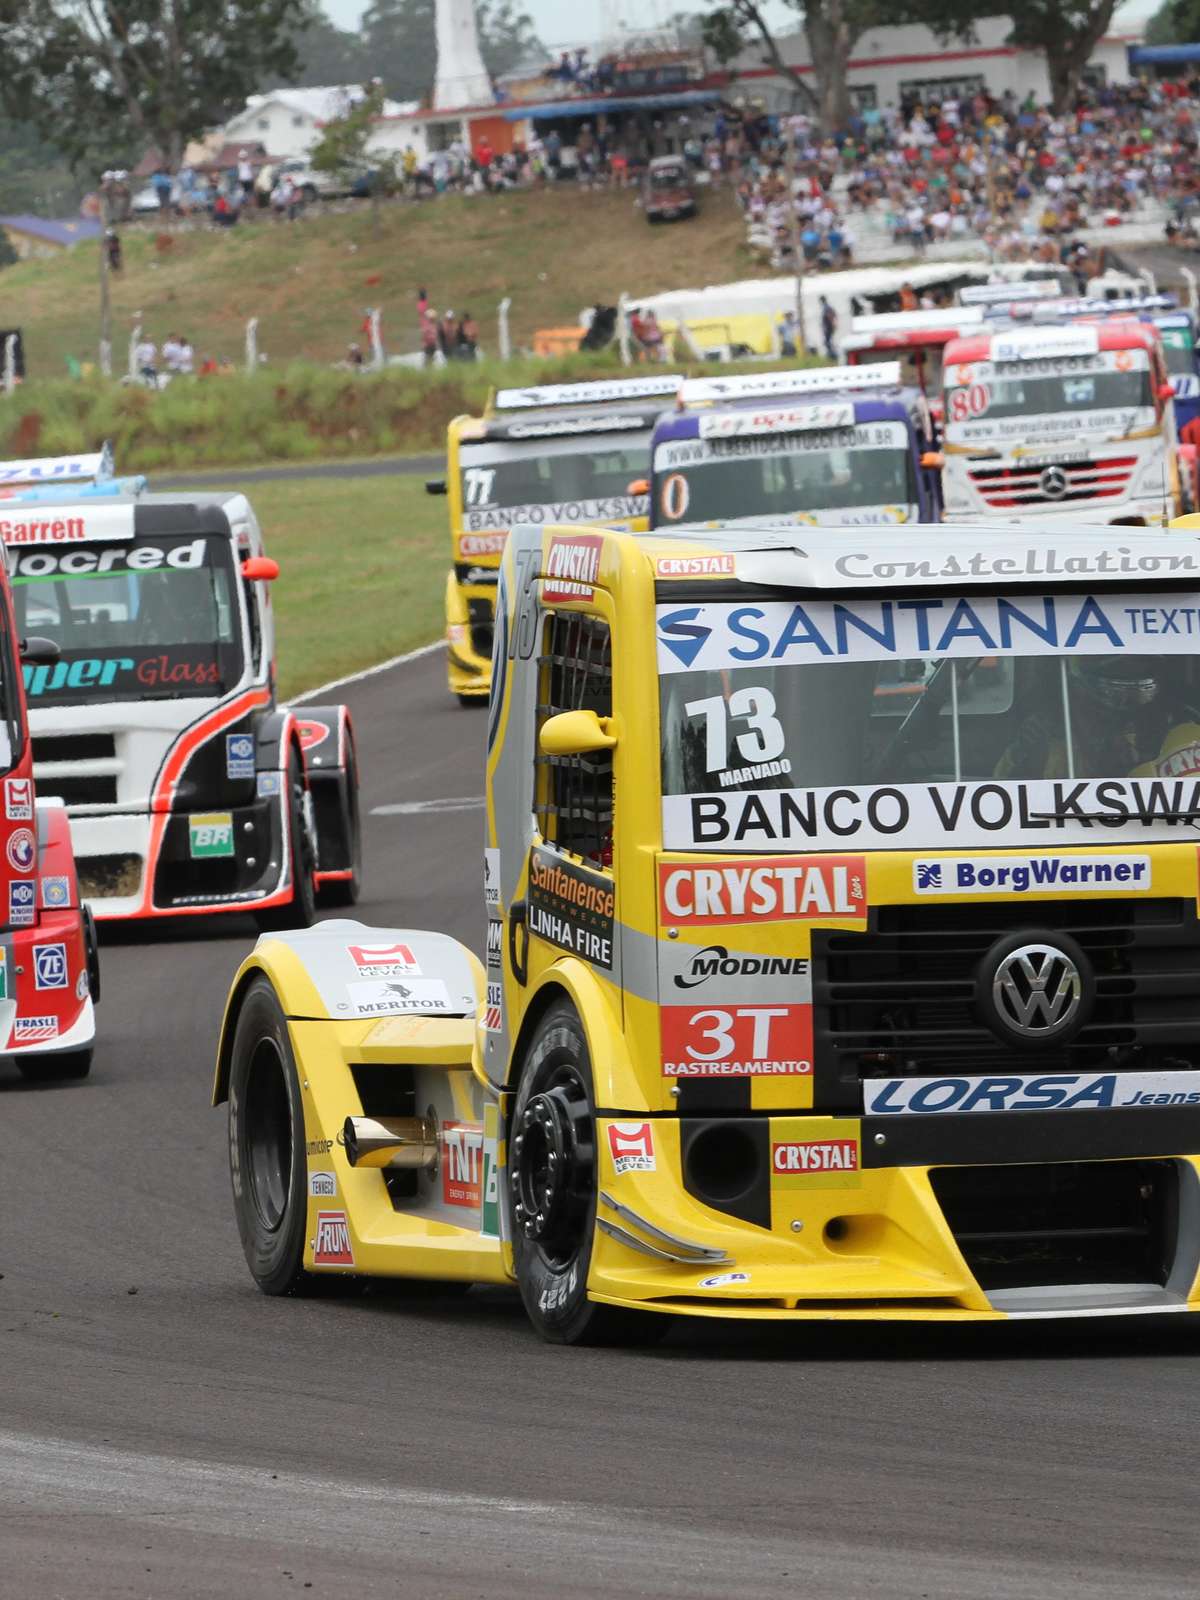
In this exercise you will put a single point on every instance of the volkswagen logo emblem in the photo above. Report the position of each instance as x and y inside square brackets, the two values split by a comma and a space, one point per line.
[1037, 992]
[1054, 483]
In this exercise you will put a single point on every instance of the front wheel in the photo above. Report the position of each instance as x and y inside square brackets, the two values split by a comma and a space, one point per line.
[301, 909]
[266, 1145]
[345, 891]
[552, 1174]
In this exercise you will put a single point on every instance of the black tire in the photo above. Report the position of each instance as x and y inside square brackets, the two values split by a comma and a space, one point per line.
[67, 1067]
[91, 950]
[267, 1165]
[301, 909]
[345, 891]
[553, 1203]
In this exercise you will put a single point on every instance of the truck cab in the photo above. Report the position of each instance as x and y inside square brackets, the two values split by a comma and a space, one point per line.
[190, 790]
[842, 948]
[838, 446]
[552, 453]
[1065, 420]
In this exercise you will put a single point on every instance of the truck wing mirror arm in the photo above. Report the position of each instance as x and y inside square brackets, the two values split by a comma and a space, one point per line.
[38, 651]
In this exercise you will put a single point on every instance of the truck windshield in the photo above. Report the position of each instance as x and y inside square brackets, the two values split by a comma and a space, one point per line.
[152, 619]
[1017, 401]
[582, 477]
[865, 472]
[894, 724]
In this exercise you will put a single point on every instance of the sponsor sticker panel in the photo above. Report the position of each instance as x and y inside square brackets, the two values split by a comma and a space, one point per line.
[631, 1146]
[571, 908]
[718, 972]
[462, 1164]
[331, 1244]
[21, 850]
[491, 878]
[239, 755]
[784, 888]
[815, 1154]
[717, 636]
[322, 1185]
[1053, 1091]
[384, 960]
[34, 1030]
[22, 902]
[737, 1041]
[210, 835]
[1019, 875]
[56, 893]
[572, 566]
[399, 997]
[50, 966]
[18, 799]
[972, 815]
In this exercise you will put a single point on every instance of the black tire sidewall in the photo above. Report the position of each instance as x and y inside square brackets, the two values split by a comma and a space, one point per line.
[275, 1258]
[555, 1298]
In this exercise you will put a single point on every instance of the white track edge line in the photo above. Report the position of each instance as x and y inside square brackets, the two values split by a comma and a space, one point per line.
[368, 672]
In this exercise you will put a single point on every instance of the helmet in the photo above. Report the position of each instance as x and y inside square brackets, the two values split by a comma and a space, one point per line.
[1117, 682]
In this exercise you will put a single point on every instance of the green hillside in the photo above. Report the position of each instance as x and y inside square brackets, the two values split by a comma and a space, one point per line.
[309, 282]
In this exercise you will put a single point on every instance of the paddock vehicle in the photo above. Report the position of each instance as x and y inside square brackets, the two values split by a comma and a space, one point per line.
[830, 445]
[668, 192]
[852, 972]
[555, 453]
[1068, 420]
[190, 790]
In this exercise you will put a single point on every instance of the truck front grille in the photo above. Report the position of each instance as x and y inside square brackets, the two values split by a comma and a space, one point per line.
[54, 752]
[899, 1000]
[1011, 487]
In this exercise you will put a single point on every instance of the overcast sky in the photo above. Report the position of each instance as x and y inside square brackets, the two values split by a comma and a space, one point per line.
[582, 21]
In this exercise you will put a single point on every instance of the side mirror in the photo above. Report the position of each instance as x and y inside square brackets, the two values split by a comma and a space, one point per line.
[638, 486]
[575, 733]
[435, 485]
[1166, 391]
[934, 459]
[38, 651]
[260, 569]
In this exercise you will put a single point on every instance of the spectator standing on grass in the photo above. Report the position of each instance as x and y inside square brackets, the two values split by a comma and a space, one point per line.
[187, 357]
[468, 337]
[429, 336]
[553, 154]
[245, 175]
[162, 190]
[112, 246]
[145, 359]
[448, 335]
[829, 323]
[171, 348]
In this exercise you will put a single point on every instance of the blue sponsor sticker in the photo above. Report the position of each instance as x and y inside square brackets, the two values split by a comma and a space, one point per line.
[22, 902]
[239, 755]
[269, 783]
[56, 892]
[50, 966]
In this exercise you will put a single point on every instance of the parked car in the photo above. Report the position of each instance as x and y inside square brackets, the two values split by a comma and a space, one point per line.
[667, 191]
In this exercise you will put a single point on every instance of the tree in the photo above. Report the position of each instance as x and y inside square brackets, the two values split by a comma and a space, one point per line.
[157, 71]
[344, 141]
[327, 54]
[832, 29]
[1066, 31]
[1175, 22]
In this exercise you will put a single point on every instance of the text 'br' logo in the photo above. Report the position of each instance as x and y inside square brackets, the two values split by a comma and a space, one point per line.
[1037, 992]
[682, 635]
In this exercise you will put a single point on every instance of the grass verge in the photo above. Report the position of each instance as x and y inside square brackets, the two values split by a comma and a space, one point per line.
[362, 573]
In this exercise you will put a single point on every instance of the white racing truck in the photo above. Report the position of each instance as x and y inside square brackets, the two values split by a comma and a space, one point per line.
[189, 789]
[1069, 420]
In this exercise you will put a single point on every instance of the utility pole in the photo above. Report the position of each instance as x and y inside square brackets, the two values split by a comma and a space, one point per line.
[105, 299]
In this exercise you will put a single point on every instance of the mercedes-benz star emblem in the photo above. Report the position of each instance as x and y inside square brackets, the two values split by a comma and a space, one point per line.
[1054, 483]
[1037, 991]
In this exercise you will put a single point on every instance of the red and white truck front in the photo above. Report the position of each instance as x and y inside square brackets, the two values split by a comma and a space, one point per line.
[1067, 420]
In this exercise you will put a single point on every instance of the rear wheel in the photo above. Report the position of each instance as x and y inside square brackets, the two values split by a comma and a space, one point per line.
[552, 1171]
[301, 908]
[65, 1067]
[266, 1145]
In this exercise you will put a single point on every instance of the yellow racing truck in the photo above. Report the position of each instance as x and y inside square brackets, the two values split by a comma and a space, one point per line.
[842, 956]
[554, 453]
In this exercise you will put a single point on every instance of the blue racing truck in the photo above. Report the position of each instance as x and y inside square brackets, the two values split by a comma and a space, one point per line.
[841, 446]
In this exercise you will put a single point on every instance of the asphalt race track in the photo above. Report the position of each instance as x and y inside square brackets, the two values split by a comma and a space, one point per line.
[167, 1431]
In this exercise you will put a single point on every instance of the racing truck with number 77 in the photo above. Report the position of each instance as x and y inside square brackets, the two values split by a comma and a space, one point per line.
[842, 957]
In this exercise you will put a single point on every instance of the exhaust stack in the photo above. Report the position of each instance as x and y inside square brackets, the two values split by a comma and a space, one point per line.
[391, 1142]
